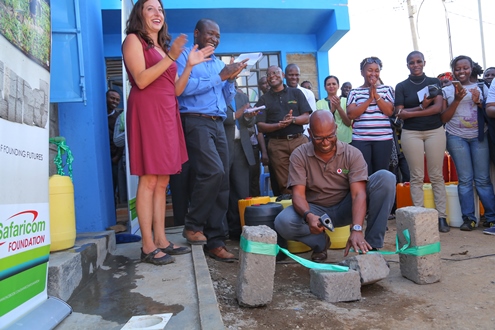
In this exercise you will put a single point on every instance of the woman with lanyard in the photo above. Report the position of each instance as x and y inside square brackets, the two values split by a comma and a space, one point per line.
[467, 140]
[370, 106]
[422, 133]
[337, 106]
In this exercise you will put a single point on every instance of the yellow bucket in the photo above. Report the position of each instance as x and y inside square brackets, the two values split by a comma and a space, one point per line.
[429, 201]
[285, 202]
[339, 237]
[297, 247]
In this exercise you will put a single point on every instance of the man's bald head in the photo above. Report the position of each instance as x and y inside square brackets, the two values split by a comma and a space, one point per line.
[323, 132]
[322, 119]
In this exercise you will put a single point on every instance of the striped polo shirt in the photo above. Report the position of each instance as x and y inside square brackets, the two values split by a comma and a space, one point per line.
[372, 125]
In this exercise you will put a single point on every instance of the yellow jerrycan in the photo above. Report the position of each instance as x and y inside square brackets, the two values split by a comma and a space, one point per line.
[62, 213]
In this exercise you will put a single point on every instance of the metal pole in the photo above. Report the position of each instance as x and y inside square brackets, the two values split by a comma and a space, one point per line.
[481, 34]
[448, 29]
[410, 11]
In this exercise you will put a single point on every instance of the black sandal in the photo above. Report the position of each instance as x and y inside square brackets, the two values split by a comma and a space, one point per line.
[176, 251]
[150, 258]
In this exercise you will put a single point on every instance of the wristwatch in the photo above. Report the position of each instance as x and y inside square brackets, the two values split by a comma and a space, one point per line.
[305, 215]
[293, 120]
[357, 228]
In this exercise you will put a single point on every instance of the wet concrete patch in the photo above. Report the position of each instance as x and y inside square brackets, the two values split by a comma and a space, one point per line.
[109, 293]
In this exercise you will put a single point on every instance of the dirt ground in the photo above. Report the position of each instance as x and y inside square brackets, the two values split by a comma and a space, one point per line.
[463, 299]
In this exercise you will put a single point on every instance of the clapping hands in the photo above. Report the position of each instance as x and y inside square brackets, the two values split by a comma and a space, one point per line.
[198, 56]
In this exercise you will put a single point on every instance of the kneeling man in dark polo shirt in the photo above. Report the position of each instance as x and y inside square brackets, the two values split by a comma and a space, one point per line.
[287, 110]
[329, 176]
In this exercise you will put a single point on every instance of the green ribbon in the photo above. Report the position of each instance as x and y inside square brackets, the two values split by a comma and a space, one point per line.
[274, 249]
[417, 251]
[62, 148]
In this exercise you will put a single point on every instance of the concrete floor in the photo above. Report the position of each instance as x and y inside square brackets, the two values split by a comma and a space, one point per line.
[124, 287]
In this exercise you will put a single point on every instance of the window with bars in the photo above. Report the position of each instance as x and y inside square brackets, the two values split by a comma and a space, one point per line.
[249, 84]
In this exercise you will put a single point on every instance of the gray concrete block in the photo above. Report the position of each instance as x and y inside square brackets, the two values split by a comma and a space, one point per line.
[104, 240]
[65, 273]
[422, 224]
[256, 271]
[70, 270]
[371, 267]
[335, 286]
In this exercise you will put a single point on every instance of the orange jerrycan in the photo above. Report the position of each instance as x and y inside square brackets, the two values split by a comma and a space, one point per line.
[403, 195]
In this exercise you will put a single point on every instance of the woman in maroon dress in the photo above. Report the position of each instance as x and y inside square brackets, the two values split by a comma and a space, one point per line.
[155, 139]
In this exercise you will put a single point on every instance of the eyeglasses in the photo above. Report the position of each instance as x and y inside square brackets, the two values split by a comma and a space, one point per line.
[321, 138]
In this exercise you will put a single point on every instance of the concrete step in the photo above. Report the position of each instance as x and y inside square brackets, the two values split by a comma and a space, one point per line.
[70, 270]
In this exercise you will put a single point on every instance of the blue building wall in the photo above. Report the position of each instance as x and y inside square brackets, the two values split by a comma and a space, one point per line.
[86, 131]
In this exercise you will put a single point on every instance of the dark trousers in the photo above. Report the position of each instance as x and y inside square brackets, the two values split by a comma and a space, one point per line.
[375, 153]
[208, 155]
[254, 174]
[115, 180]
[180, 189]
[380, 192]
[122, 179]
[491, 147]
[239, 188]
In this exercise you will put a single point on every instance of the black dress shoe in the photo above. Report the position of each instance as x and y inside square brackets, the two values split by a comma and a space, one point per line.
[443, 227]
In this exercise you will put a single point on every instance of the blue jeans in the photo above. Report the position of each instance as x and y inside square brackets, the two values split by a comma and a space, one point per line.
[472, 162]
[380, 192]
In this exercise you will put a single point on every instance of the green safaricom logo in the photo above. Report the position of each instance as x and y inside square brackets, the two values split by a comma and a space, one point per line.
[22, 224]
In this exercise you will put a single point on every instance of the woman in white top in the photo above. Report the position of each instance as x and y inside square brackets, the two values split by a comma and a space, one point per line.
[467, 140]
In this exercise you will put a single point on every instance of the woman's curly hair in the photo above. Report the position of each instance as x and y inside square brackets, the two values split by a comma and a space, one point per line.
[135, 24]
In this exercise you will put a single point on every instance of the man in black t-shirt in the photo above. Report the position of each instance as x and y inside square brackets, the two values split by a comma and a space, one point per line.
[287, 110]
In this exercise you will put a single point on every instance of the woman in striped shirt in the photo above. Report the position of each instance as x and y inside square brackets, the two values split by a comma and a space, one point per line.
[370, 107]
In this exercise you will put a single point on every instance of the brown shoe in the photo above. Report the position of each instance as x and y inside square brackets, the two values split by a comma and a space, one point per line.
[194, 237]
[220, 253]
[322, 255]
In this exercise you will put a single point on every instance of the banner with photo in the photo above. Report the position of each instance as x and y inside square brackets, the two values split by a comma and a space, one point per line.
[25, 37]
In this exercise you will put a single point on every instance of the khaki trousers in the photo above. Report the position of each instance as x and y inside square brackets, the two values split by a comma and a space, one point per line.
[415, 146]
[279, 151]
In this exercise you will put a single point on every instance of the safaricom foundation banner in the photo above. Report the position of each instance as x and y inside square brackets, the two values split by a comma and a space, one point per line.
[25, 37]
